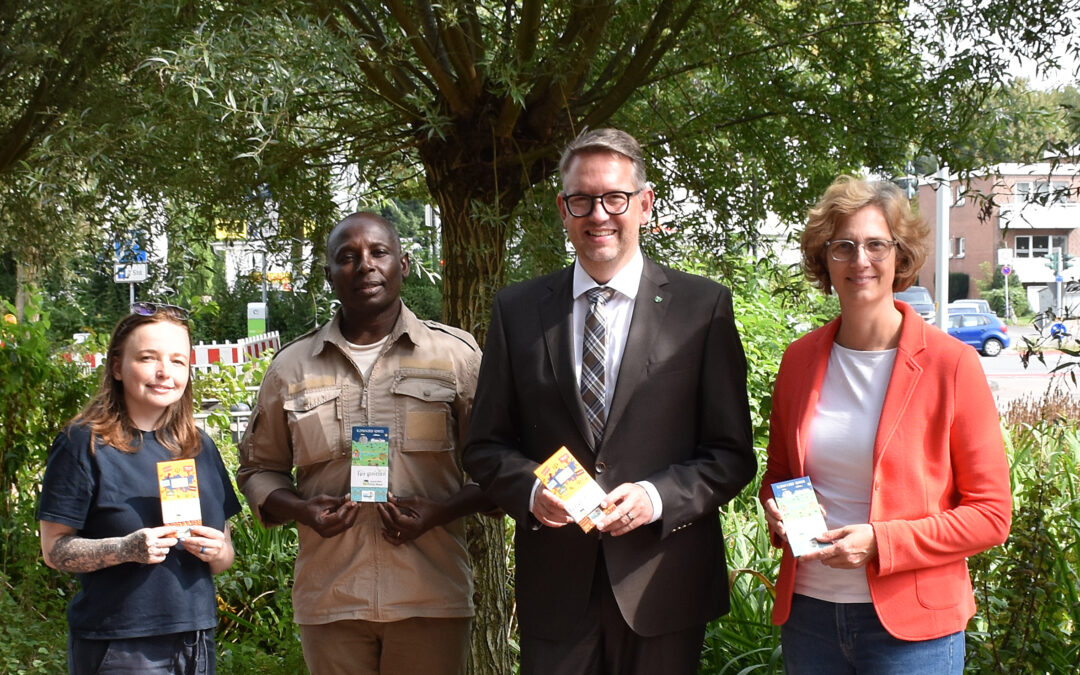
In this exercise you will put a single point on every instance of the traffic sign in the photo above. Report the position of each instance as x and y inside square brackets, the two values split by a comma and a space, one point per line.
[1006, 271]
[131, 273]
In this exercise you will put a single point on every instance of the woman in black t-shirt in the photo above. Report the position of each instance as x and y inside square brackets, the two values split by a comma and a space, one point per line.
[147, 602]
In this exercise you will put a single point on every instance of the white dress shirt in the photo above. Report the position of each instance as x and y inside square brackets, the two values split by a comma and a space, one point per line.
[620, 309]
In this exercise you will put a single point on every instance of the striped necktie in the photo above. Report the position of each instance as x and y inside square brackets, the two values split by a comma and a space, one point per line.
[593, 358]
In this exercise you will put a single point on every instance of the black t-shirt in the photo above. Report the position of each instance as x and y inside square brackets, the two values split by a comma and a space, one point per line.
[110, 493]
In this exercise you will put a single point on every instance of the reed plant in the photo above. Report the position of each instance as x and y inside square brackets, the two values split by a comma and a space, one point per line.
[1028, 590]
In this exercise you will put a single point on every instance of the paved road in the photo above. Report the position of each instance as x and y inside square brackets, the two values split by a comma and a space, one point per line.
[1009, 379]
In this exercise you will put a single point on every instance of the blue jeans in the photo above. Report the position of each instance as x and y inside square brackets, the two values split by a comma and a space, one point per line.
[826, 638]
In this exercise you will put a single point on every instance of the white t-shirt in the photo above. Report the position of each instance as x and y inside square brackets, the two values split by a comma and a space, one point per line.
[364, 356]
[840, 460]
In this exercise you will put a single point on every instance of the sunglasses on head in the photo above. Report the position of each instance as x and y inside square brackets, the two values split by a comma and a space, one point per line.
[143, 308]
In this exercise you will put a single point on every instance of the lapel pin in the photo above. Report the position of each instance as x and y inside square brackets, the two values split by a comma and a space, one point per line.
[658, 299]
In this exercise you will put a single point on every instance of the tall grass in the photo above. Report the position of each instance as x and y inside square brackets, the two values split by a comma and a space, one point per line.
[1028, 591]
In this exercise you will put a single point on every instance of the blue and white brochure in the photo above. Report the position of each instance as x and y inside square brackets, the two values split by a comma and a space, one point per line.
[803, 521]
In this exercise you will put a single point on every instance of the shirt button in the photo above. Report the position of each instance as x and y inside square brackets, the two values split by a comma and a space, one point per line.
[600, 467]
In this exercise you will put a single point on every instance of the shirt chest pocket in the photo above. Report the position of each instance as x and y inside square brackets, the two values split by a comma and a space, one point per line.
[423, 399]
[315, 426]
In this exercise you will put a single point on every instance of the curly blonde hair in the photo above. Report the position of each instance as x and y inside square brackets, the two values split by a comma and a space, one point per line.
[844, 197]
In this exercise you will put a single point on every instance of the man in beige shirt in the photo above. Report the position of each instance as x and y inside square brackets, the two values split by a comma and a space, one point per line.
[379, 587]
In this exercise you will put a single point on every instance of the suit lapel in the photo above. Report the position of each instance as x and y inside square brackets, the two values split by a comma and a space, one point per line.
[650, 308]
[557, 319]
[905, 377]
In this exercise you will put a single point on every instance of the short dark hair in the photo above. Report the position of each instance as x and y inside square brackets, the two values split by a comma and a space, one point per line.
[367, 216]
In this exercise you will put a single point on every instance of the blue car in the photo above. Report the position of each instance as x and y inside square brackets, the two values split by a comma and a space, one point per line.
[984, 332]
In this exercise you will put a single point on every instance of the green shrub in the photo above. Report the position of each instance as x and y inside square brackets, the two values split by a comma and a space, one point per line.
[256, 633]
[40, 389]
[959, 285]
[1028, 591]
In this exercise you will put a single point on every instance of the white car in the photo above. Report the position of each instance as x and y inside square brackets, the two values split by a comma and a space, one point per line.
[975, 304]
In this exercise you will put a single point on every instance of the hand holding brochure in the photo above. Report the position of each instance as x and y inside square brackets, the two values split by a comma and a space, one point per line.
[178, 486]
[370, 472]
[802, 514]
[580, 494]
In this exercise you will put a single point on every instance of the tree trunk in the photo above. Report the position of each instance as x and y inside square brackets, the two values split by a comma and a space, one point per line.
[490, 653]
[474, 200]
[473, 270]
[25, 281]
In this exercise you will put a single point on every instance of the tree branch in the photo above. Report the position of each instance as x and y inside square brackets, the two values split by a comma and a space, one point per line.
[443, 81]
[644, 60]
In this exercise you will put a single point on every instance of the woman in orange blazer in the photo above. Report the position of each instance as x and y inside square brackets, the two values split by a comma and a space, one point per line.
[894, 423]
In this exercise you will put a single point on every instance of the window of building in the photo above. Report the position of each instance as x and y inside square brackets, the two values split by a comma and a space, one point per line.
[1038, 245]
[1041, 191]
[1059, 242]
[956, 247]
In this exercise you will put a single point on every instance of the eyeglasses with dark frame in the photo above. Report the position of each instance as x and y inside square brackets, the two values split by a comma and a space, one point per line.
[843, 250]
[145, 308]
[614, 203]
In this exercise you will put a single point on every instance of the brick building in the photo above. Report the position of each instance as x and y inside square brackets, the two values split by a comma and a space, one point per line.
[1032, 210]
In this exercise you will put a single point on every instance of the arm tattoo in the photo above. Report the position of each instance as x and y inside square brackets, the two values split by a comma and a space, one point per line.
[79, 555]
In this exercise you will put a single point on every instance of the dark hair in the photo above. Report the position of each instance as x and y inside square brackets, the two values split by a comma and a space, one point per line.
[843, 198]
[106, 414]
[362, 217]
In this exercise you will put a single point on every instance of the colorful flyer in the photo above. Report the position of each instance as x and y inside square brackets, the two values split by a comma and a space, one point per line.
[179, 489]
[370, 464]
[580, 494]
[803, 521]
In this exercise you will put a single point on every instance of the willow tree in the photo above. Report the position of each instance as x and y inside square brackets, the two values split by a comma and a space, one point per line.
[64, 93]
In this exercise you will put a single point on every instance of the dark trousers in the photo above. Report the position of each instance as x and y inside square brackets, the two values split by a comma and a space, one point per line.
[606, 645]
[191, 653]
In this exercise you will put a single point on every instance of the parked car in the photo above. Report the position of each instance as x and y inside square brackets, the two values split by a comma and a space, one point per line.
[983, 331]
[954, 308]
[919, 299]
[975, 305]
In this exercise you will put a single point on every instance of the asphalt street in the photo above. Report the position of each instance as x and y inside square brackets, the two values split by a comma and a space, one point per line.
[1009, 379]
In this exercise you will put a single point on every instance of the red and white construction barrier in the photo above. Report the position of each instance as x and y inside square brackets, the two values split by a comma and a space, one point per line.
[256, 345]
[210, 358]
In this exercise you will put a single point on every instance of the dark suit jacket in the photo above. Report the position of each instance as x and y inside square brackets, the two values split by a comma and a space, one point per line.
[679, 418]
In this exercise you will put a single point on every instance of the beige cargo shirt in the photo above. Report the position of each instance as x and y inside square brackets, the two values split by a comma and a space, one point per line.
[299, 437]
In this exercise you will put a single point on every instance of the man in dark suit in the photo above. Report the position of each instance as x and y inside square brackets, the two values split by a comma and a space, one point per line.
[644, 380]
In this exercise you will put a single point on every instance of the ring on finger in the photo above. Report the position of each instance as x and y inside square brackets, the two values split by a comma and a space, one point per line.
[629, 517]
[202, 550]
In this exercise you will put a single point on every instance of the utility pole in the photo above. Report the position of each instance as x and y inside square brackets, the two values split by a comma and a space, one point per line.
[941, 245]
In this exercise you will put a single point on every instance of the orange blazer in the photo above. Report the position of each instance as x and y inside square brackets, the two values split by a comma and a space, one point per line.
[941, 479]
